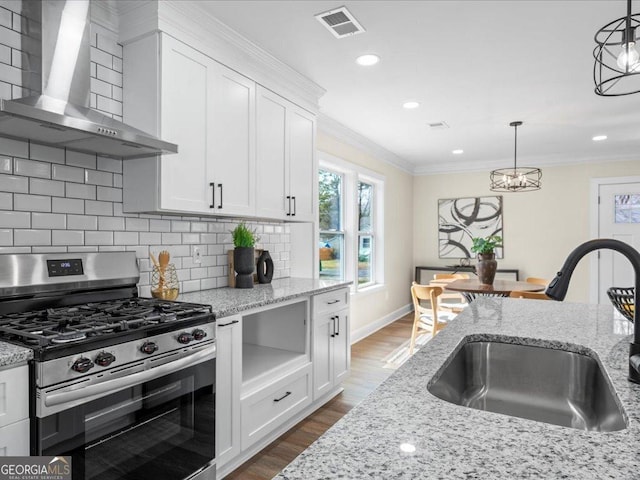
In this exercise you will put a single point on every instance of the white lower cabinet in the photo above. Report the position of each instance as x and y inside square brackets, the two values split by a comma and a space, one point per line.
[228, 382]
[14, 411]
[267, 409]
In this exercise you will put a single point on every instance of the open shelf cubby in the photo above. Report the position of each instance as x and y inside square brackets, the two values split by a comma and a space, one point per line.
[274, 339]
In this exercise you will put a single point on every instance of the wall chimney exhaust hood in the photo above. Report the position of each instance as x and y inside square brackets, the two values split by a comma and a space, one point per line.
[57, 72]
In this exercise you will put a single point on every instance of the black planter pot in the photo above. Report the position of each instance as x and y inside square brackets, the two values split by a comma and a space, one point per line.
[243, 264]
[486, 268]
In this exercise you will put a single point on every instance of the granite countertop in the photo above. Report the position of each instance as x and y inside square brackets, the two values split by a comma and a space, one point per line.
[454, 442]
[229, 301]
[13, 354]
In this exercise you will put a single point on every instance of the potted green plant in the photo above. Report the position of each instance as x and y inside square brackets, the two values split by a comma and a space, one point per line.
[244, 240]
[485, 248]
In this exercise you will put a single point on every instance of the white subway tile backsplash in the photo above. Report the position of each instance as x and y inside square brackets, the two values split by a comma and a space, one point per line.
[31, 168]
[117, 180]
[80, 190]
[67, 174]
[110, 223]
[108, 75]
[79, 159]
[98, 238]
[48, 220]
[10, 73]
[98, 208]
[125, 238]
[5, 54]
[117, 64]
[6, 201]
[6, 165]
[31, 237]
[106, 104]
[82, 222]
[31, 203]
[137, 224]
[6, 239]
[160, 225]
[10, 219]
[83, 248]
[102, 58]
[5, 90]
[116, 93]
[67, 205]
[5, 17]
[108, 43]
[110, 165]
[67, 237]
[191, 238]
[46, 153]
[13, 148]
[40, 186]
[95, 177]
[168, 238]
[110, 194]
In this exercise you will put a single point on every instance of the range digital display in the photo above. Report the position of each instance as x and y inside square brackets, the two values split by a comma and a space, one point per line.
[63, 268]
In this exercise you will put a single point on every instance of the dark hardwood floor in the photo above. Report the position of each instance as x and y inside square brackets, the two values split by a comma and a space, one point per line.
[367, 373]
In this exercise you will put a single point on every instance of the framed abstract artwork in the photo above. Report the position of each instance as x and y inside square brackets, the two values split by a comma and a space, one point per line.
[461, 219]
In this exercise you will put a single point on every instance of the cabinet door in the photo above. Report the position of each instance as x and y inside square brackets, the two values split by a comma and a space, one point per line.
[228, 379]
[341, 348]
[14, 439]
[232, 143]
[303, 181]
[323, 328]
[272, 152]
[185, 102]
[14, 395]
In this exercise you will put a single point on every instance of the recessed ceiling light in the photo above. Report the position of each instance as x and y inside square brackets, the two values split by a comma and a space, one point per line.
[599, 138]
[410, 105]
[367, 60]
[458, 151]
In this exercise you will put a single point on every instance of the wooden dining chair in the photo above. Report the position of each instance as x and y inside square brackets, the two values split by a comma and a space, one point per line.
[441, 280]
[537, 281]
[425, 318]
[531, 295]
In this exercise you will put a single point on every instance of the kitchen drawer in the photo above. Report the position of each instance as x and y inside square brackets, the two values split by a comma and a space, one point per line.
[330, 301]
[14, 439]
[267, 409]
[14, 395]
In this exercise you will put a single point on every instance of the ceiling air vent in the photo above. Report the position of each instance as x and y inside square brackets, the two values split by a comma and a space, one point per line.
[340, 22]
[438, 125]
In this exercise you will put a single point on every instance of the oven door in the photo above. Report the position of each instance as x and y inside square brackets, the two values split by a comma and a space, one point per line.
[162, 428]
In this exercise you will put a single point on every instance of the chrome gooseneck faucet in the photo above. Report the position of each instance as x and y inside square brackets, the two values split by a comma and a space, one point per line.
[557, 288]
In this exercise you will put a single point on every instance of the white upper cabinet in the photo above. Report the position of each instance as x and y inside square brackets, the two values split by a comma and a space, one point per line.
[185, 97]
[286, 180]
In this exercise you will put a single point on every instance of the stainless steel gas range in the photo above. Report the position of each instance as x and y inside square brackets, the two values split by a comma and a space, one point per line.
[124, 385]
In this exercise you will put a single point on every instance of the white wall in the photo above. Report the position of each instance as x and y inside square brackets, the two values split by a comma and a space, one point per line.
[540, 228]
[369, 310]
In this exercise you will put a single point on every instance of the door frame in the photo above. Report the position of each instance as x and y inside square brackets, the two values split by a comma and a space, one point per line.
[594, 211]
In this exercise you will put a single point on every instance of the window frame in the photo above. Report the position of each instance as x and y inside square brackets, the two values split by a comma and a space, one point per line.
[343, 266]
[351, 175]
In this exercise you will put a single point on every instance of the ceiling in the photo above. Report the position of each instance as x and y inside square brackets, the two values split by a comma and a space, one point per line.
[476, 65]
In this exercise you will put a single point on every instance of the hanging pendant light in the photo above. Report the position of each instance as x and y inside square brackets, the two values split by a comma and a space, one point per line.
[523, 179]
[616, 70]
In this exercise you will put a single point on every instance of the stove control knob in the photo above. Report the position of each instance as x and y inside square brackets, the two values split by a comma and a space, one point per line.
[185, 338]
[104, 359]
[199, 334]
[148, 348]
[82, 365]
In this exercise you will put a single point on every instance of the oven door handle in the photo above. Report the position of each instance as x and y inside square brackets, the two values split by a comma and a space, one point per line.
[111, 386]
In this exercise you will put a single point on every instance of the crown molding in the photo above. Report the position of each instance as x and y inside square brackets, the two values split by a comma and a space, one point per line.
[339, 131]
[192, 23]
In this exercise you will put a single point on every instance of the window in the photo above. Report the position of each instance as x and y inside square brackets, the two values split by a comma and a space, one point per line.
[350, 221]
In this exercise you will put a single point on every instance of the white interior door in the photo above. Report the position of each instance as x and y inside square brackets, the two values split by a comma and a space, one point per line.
[618, 218]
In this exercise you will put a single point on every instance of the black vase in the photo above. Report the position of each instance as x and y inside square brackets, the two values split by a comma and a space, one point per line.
[486, 268]
[265, 267]
[243, 264]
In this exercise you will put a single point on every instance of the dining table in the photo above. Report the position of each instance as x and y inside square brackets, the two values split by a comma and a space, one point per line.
[472, 287]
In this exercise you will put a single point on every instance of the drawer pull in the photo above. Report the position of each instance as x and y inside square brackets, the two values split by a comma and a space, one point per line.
[227, 324]
[282, 397]
[332, 302]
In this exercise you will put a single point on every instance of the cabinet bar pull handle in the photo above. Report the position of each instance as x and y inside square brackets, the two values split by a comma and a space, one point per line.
[220, 205]
[333, 329]
[337, 325]
[213, 195]
[282, 397]
[332, 302]
[294, 207]
[289, 211]
[227, 324]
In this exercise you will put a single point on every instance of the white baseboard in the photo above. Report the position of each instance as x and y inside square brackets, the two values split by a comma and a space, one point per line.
[373, 327]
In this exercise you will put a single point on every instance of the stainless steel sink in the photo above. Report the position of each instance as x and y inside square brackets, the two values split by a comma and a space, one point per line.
[543, 384]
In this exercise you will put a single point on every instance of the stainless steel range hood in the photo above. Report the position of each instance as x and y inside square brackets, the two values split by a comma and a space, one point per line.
[57, 71]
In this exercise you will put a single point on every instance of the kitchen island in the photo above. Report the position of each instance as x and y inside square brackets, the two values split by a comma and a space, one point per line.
[453, 442]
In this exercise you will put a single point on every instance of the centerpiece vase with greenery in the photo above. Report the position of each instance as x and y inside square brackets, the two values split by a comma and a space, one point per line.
[487, 264]
[244, 240]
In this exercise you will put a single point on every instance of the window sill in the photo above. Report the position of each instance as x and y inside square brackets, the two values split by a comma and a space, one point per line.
[378, 287]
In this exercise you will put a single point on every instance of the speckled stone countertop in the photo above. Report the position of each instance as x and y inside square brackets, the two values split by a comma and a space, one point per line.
[454, 442]
[13, 354]
[229, 301]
